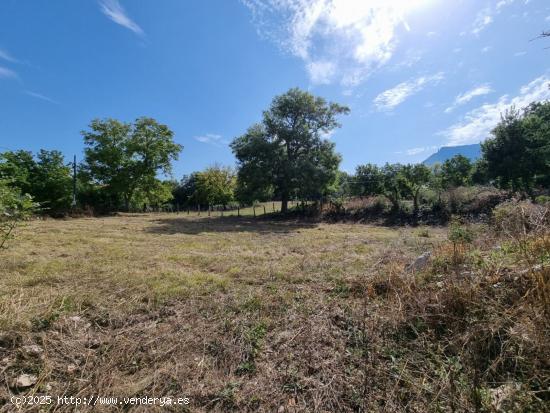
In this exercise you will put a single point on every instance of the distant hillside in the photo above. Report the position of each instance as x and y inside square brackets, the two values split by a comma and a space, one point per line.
[472, 152]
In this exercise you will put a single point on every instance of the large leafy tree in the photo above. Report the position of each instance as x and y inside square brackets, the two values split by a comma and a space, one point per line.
[518, 155]
[287, 151]
[215, 186]
[17, 169]
[125, 158]
[368, 180]
[47, 178]
[52, 181]
[456, 171]
[184, 190]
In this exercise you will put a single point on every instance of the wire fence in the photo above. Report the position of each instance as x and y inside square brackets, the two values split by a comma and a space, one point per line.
[263, 208]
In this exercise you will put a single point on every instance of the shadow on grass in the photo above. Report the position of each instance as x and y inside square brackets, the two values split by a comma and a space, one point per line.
[179, 225]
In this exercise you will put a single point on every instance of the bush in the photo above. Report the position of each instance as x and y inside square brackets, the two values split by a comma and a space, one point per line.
[14, 207]
[520, 219]
[542, 199]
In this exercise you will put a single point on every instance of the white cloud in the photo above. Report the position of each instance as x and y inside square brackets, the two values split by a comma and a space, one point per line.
[486, 49]
[114, 11]
[8, 57]
[486, 15]
[419, 150]
[468, 96]
[519, 54]
[483, 19]
[416, 151]
[393, 97]
[338, 40]
[211, 139]
[6, 73]
[478, 123]
[321, 72]
[40, 96]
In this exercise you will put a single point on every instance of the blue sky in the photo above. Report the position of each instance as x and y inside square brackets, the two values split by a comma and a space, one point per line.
[417, 74]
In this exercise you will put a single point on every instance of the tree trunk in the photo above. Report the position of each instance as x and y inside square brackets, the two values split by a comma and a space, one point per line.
[284, 202]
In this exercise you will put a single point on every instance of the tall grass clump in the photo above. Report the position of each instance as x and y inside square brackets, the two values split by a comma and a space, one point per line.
[470, 332]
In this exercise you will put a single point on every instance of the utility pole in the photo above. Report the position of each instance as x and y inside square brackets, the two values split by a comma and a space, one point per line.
[74, 182]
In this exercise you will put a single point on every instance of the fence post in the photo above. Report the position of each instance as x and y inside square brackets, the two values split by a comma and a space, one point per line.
[264, 209]
[238, 211]
[273, 205]
[199, 209]
[254, 209]
[209, 210]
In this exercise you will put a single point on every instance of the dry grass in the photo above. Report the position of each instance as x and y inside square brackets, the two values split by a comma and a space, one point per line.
[256, 315]
[235, 313]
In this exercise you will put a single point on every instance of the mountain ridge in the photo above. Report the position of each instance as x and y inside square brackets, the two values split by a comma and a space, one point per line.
[472, 152]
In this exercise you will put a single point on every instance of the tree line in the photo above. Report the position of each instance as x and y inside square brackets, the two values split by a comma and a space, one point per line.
[286, 155]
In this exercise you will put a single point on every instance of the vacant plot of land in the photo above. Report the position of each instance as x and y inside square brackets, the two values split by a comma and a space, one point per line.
[235, 314]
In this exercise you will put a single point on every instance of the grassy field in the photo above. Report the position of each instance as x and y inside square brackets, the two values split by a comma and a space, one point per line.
[238, 314]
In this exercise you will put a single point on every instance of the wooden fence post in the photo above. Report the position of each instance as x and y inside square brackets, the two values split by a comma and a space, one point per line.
[199, 209]
[239, 211]
[254, 209]
[264, 209]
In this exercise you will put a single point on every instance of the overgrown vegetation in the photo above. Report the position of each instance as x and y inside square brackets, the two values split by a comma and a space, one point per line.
[248, 315]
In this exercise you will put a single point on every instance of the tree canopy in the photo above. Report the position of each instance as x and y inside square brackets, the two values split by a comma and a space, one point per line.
[215, 186]
[517, 157]
[46, 178]
[456, 171]
[126, 158]
[288, 151]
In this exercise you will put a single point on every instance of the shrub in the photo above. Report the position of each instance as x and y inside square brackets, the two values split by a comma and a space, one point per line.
[542, 199]
[14, 207]
[461, 237]
[519, 219]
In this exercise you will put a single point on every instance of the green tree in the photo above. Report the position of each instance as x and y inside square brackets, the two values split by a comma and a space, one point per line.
[124, 158]
[518, 155]
[47, 178]
[184, 190]
[368, 180]
[215, 186]
[157, 193]
[415, 177]
[456, 171]
[394, 186]
[17, 168]
[14, 207]
[287, 151]
[437, 182]
[342, 185]
[52, 182]
[479, 172]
